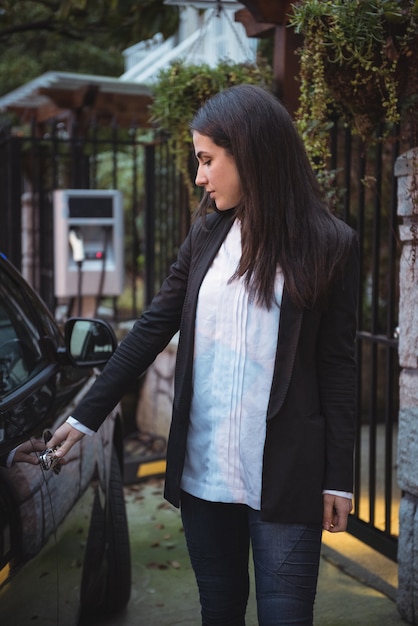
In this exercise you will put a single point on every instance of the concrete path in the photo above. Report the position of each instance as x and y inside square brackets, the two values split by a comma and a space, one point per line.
[357, 586]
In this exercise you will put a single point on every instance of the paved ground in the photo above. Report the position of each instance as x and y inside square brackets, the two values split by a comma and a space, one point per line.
[357, 586]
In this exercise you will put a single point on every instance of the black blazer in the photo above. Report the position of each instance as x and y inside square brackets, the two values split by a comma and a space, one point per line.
[311, 412]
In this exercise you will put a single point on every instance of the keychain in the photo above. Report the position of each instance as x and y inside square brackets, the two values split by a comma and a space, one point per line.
[47, 457]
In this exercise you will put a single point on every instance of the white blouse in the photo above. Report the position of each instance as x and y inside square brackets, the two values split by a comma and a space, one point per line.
[235, 351]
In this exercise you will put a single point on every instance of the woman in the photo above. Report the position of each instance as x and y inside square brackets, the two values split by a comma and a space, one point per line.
[264, 295]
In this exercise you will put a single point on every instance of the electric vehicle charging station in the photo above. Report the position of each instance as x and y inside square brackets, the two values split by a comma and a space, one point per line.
[88, 243]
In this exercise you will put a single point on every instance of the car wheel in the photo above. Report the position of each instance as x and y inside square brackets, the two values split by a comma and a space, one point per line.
[106, 581]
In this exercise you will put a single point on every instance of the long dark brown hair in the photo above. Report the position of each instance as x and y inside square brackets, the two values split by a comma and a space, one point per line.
[284, 218]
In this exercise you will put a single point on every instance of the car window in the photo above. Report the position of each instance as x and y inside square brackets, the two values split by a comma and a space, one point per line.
[47, 321]
[20, 352]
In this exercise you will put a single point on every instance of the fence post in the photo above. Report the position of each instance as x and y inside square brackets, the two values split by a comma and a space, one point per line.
[408, 410]
[149, 283]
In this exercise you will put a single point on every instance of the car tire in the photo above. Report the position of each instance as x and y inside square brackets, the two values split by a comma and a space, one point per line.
[106, 580]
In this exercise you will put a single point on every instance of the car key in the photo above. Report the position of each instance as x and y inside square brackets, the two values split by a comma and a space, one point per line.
[47, 458]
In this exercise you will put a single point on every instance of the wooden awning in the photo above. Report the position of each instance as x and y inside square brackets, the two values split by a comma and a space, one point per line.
[81, 97]
[261, 16]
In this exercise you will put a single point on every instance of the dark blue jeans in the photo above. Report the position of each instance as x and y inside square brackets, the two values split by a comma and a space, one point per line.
[286, 563]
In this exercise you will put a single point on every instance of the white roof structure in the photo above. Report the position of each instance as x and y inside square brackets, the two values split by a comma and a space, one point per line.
[207, 34]
[203, 37]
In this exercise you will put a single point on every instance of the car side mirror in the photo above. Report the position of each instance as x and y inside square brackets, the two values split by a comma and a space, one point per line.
[89, 342]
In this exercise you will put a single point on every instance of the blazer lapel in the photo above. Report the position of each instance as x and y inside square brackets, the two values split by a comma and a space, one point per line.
[289, 330]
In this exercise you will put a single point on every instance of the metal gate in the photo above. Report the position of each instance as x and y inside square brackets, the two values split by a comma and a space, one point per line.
[139, 164]
[157, 219]
[365, 174]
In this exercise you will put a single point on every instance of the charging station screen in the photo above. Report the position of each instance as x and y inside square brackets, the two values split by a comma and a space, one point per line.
[90, 207]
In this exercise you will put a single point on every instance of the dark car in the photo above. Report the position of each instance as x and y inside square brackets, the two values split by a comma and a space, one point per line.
[64, 542]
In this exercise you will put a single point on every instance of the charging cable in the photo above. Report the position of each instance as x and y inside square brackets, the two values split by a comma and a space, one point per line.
[77, 247]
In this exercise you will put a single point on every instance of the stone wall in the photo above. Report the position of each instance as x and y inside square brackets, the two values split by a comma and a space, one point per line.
[156, 402]
[408, 411]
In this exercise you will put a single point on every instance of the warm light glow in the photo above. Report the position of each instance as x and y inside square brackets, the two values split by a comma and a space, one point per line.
[4, 573]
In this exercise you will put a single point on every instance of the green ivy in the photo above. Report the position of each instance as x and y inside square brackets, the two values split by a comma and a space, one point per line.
[352, 59]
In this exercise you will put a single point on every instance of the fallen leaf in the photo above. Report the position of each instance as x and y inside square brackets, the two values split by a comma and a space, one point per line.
[164, 505]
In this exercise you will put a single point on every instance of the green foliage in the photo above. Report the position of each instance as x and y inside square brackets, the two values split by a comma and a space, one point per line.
[24, 61]
[182, 89]
[357, 60]
[74, 35]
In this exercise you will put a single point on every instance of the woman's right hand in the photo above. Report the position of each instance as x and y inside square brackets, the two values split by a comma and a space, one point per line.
[64, 438]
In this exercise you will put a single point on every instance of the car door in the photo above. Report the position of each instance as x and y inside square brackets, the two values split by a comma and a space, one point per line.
[27, 393]
[35, 394]
[64, 544]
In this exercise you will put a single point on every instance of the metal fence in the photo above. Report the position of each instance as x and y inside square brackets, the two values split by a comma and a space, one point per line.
[369, 204]
[156, 208]
[156, 220]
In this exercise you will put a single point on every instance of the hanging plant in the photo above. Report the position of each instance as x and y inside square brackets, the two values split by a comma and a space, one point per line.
[359, 59]
[180, 91]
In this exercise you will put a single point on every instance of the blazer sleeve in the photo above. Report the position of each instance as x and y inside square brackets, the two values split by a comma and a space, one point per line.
[337, 373]
[148, 337]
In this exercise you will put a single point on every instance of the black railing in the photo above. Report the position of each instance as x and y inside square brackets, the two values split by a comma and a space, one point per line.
[370, 205]
[155, 206]
[11, 187]
[157, 218]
